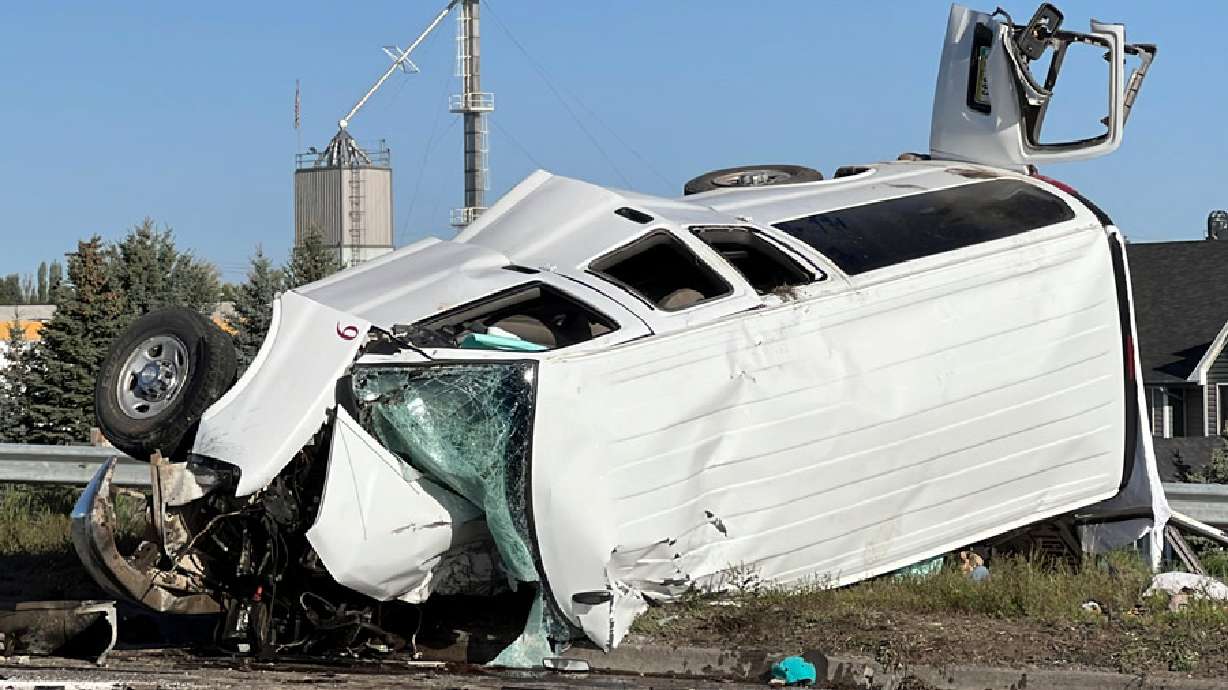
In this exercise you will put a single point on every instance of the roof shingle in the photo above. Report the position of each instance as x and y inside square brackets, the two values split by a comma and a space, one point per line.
[1180, 303]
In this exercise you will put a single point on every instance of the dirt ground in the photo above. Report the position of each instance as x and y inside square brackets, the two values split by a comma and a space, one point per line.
[141, 670]
[932, 639]
[1118, 641]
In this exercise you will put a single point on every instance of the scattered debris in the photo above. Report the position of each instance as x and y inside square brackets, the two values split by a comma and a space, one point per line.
[1092, 607]
[566, 664]
[76, 629]
[793, 670]
[920, 569]
[1188, 584]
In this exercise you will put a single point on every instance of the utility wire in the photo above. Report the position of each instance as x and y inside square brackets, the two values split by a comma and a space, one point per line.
[651, 168]
[426, 153]
[549, 84]
[525, 151]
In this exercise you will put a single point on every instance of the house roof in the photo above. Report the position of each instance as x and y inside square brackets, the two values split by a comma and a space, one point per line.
[1180, 304]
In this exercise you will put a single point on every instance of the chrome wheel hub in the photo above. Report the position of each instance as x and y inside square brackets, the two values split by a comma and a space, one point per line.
[751, 178]
[152, 377]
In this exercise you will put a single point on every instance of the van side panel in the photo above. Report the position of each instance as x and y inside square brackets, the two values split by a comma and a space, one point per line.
[833, 438]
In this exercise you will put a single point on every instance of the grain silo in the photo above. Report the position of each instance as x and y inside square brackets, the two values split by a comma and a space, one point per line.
[344, 193]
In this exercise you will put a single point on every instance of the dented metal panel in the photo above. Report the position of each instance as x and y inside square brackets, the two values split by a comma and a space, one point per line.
[835, 438]
[282, 399]
[386, 531]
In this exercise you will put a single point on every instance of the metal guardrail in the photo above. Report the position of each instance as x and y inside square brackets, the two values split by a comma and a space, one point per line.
[1204, 502]
[28, 463]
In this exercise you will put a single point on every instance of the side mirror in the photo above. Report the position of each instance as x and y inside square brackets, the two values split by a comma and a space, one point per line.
[989, 108]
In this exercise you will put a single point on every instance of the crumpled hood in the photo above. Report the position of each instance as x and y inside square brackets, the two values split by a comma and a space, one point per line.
[283, 398]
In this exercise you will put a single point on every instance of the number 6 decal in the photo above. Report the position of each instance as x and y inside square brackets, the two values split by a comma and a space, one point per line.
[347, 332]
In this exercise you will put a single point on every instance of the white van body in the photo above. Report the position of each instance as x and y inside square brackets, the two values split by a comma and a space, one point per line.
[821, 382]
[861, 424]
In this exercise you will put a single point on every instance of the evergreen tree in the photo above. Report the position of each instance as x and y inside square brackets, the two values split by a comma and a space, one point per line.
[152, 273]
[143, 264]
[253, 306]
[195, 284]
[13, 378]
[10, 289]
[43, 294]
[310, 261]
[55, 280]
[60, 390]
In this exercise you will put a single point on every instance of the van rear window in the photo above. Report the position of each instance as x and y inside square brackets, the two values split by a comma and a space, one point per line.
[863, 238]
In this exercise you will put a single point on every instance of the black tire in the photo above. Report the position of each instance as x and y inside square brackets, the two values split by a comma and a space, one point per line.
[209, 360]
[745, 176]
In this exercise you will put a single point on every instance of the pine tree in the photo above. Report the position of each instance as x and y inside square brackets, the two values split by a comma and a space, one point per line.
[10, 289]
[13, 379]
[253, 306]
[55, 280]
[310, 261]
[143, 264]
[153, 273]
[195, 284]
[60, 390]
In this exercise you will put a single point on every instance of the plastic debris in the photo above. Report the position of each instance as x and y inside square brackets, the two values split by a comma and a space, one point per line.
[920, 569]
[1196, 586]
[564, 664]
[794, 670]
[1091, 607]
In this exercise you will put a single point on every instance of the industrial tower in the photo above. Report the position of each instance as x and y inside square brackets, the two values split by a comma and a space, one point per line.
[473, 104]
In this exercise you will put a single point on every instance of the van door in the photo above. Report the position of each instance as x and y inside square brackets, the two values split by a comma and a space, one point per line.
[988, 106]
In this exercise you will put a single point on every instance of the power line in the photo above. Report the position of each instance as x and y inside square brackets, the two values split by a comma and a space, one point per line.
[549, 84]
[647, 164]
[426, 153]
[517, 143]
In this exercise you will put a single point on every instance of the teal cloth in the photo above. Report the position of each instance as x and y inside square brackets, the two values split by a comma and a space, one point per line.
[486, 341]
[794, 670]
[919, 570]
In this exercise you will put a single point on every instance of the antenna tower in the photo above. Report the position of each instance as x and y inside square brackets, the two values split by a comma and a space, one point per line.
[473, 104]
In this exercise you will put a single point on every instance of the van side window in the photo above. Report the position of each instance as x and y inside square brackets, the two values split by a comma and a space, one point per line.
[539, 316]
[762, 263]
[663, 271]
[863, 238]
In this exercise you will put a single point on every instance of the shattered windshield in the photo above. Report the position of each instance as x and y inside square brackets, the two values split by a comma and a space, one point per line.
[466, 425]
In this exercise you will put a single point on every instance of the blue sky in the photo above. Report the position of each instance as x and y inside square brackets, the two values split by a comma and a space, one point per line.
[183, 111]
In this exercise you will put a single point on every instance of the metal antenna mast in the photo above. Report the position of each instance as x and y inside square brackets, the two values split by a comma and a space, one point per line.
[399, 59]
[473, 103]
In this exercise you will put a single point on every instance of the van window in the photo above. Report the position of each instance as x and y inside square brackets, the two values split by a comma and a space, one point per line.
[762, 263]
[536, 313]
[663, 271]
[863, 238]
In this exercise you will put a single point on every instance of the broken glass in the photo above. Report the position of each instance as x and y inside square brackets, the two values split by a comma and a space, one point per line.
[466, 425]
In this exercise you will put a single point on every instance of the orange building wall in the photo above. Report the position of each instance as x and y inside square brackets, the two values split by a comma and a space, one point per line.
[31, 329]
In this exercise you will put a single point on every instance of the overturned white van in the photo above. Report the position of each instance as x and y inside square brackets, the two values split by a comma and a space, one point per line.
[614, 397]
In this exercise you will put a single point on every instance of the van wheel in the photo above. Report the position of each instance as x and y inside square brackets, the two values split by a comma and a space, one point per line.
[751, 176]
[159, 376]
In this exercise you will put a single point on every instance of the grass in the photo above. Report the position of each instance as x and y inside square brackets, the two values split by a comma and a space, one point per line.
[37, 558]
[1028, 612]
